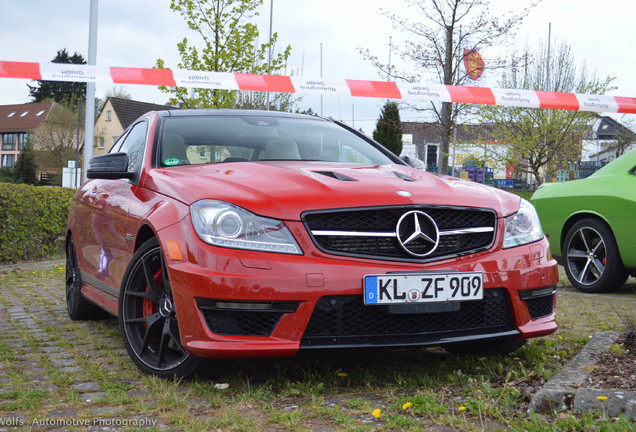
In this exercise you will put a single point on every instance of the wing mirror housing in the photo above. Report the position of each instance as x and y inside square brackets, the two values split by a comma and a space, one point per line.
[109, 166]
[414, 162]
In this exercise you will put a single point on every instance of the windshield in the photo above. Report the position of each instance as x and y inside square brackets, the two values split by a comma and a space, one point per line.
[244, 138]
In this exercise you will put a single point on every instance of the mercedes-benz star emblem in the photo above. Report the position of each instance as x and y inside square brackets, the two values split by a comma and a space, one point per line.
[417, 233]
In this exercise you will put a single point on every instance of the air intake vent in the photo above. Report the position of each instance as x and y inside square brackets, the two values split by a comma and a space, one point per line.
[335, 175]
[403, 176]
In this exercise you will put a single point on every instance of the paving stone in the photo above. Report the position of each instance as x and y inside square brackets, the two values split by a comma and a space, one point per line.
[105, 410]
[111, 367]
[86, 386]
[65, 412]
[52, 348]
[34, 371]
[58, 355]
[63, 362]
[39, 379]
[69, 369]
[26, 363]
[92, 397]
[138, 393]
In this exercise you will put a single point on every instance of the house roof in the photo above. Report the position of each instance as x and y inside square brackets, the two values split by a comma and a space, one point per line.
[609, 129]
[24, 117]
[129, 110]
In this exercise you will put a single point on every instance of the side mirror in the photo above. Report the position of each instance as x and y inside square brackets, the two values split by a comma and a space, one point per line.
[414, 162]
[109, 166]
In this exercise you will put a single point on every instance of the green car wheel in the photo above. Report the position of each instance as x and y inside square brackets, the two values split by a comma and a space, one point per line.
[592, 261]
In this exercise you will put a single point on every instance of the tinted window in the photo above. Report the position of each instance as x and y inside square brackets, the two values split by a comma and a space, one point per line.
[213, 139]
[134, 144]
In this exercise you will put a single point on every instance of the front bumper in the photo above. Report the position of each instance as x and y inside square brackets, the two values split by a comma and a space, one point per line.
[249, 304]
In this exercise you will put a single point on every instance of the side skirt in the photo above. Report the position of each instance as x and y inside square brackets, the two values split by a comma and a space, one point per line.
[100, 294]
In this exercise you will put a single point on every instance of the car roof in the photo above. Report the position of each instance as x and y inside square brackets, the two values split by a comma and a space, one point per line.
[204, 112]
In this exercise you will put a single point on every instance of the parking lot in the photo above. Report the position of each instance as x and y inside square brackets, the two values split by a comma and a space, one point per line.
[59, 374]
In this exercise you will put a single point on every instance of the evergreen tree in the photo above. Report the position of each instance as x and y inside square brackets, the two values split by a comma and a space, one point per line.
[64, 93]
[388, 130]
[25, 167]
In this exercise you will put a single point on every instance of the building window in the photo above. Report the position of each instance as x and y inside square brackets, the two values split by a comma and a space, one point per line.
[8, 160]
[40, 113]
[115, 138]
[109, 115]
[11, 114]
[101, 143]
[8, 142]
[22, 140]
[24, 114]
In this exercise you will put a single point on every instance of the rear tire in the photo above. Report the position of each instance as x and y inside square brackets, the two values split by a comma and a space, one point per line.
[592, 260]
[78, 307]
[148, 320]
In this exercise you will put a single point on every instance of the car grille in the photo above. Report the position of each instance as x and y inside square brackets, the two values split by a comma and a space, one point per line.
[346, 321]
[540, 306]
[373, 233]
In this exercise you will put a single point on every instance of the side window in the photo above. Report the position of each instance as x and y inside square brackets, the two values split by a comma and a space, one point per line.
[134, 144]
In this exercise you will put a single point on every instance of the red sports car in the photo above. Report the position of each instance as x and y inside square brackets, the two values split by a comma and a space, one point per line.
[224, 234]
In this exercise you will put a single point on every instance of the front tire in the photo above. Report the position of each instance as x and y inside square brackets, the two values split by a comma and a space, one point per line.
[147, 317]
[592, 261]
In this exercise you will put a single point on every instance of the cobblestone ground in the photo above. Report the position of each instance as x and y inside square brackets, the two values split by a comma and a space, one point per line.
[56, 374]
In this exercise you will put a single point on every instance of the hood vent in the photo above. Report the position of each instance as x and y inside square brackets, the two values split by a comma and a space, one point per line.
[403, 176]
[335, 175]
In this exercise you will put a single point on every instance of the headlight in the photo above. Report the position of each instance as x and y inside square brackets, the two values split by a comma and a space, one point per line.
[522, 227]
[222, 224]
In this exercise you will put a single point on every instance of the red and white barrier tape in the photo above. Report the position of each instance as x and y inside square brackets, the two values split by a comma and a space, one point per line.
[290, 84]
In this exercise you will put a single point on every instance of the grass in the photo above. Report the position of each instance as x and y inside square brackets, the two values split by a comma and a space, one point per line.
[409, 390]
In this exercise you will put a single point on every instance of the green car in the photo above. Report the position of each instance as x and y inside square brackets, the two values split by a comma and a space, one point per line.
[591, 225]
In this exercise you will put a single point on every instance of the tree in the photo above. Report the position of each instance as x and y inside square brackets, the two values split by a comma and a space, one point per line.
[541, 136]
[388, 130]
[117, 92]
[55, 142]
[25, 167]
[625, 136]
[438, 44]
[64, 93]
[230, 44]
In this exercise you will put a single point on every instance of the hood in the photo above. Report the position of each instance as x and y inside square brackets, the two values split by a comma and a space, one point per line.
[285, 189]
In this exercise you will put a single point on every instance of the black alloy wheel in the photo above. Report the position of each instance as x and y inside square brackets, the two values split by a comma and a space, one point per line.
[78, 308]
[147, 317]
[592, 260]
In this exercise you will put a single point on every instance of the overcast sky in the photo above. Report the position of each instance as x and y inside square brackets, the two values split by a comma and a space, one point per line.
[134, 33]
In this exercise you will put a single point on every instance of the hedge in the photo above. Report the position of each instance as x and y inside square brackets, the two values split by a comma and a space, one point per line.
[32, 221]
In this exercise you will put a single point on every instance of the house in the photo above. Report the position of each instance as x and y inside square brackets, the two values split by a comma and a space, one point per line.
[607, 140]
[472, 145]
[115, 117]
[19, 124]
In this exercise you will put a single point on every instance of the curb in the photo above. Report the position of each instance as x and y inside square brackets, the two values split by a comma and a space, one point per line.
[566, 389]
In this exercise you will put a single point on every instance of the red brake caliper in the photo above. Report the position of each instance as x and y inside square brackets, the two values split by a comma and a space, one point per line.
[149, 307]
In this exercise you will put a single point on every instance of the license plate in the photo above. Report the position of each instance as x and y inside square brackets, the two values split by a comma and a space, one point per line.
[422, 288]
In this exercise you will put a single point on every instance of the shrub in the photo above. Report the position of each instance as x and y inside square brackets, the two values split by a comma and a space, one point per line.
[32, 221]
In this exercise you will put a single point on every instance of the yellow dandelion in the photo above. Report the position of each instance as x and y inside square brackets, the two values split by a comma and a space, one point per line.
[601, 398]
[462, 408]
[481, 359]
[376, 413]
[342, 374]
[407, 406]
